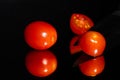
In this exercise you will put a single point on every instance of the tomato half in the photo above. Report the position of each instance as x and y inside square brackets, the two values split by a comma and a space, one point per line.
[93, 43]
[93, 67]
[80, 23]
[40, 35]
[41, 63]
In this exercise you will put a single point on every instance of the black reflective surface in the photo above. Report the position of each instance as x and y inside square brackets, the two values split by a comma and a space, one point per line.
[15, 15]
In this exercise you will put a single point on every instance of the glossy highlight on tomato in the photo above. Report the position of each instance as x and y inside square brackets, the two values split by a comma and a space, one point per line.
[93, 67]
[80, 23]
[93, 43]
[40, 35]
[41, 63]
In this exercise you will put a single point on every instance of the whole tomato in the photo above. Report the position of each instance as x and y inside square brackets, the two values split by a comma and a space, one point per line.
[93, 67]
[41, 63]
[80, 23]
[93, 43]
[40, 35]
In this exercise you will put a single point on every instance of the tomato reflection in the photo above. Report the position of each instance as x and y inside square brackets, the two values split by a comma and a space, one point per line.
[92, 67]
[41, 63]
[74, 45]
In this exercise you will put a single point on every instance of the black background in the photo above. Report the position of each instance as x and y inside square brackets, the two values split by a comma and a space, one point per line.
[16, 14]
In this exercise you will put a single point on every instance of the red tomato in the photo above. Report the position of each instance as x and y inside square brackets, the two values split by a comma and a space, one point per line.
[40, 35]
[93, 67]
[74, 48]
[41, 63]
[93, 43]
[80, 23]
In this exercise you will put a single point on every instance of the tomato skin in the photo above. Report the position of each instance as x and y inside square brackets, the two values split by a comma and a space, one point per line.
[93, 67]
[93, 43]
[40, 35]
[41, 63]
[74, 48]
[80, 23]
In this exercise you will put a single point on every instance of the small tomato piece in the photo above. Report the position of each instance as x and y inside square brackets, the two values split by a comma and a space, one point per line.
[74, 48]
